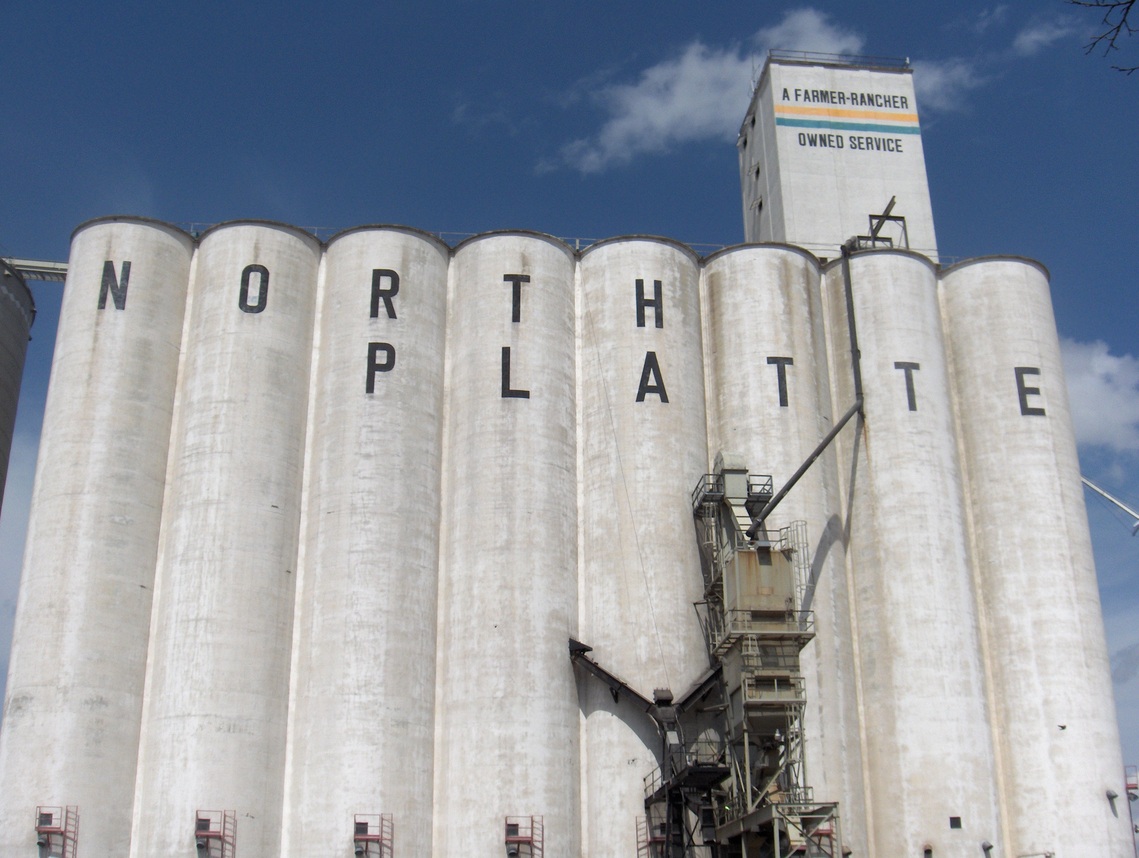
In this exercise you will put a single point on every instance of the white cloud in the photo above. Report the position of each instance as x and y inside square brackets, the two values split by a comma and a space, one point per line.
[1121, 624]
[942, 85]
[990, 17]
[1125, 664]
[808, 30]
[484, 117]
[1104, 392]
[695, 96]
[1039, 35]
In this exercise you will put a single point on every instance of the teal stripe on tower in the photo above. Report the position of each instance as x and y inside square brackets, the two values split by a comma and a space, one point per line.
[848, 126]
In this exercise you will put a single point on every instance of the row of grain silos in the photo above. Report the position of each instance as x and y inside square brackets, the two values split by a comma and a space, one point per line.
[313, 524]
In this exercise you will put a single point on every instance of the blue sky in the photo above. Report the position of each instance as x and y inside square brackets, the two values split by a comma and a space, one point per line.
[584, 120]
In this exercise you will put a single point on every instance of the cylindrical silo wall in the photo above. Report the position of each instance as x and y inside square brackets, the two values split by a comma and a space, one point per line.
[17, 309]
[75, 683]
[928, 758]
[506, 714]
[769, 400]
[644, 446]
[1051, 680]
[214, 714]
[361, 723]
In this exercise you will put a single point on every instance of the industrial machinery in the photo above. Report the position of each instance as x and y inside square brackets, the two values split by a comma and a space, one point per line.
[755, 628]
[732, 781]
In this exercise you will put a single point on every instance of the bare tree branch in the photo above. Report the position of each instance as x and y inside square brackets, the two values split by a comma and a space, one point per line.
[1117, 22]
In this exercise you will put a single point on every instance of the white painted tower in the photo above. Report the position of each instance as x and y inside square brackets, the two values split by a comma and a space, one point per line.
[828, 141]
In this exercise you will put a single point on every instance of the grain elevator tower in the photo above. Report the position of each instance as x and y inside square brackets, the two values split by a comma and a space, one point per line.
[828, 141]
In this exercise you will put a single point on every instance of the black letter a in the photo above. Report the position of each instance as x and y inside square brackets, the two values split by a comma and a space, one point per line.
[651, 370]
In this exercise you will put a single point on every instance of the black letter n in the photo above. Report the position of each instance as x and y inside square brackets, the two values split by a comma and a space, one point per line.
[117, 288]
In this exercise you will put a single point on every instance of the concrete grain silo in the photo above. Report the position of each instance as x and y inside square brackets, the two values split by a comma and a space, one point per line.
[643, 438]
[361, 728]
[769, 401]
[75, 682]
[1056, 733]
[17, 310]
[920, 667]
[506, 751]
[214, 713]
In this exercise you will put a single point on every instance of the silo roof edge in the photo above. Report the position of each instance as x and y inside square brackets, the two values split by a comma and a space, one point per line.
[389, 227]
[530, 233]
[275, 224]
[757, 245]
[659, 239]
[138, 219]
[999, 257]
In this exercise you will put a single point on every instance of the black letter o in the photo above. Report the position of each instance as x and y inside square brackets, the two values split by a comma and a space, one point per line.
[262, 289]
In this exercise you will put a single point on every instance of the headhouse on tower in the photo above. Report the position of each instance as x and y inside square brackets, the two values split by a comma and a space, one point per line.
[828, 141]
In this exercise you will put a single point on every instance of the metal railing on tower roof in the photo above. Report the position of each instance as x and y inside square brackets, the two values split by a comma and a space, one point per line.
[840, 59]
